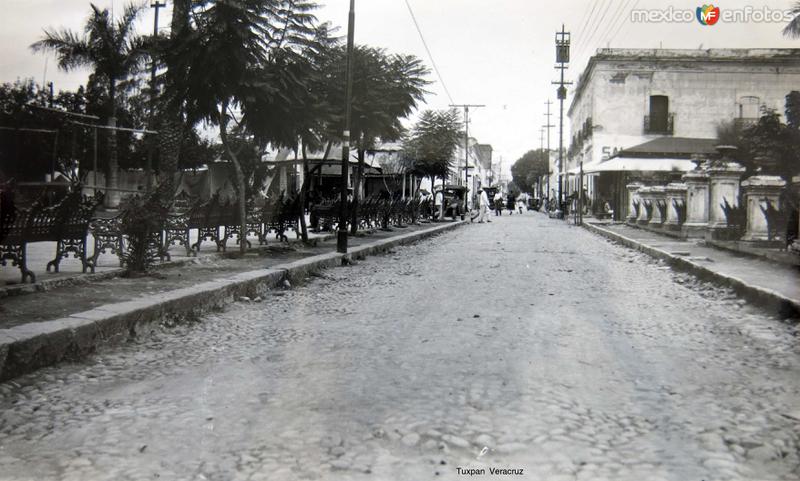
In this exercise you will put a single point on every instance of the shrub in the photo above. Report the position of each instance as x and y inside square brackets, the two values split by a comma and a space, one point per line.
[142, 218]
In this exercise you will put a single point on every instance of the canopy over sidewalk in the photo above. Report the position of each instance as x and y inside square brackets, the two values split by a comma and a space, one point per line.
[641, 164]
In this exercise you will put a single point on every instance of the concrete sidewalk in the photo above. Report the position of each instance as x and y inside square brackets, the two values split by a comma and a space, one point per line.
[773, 285]
[69, 321]
[70, 272]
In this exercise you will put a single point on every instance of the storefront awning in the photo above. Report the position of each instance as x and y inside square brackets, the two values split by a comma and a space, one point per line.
[641, 164]
[586, 167]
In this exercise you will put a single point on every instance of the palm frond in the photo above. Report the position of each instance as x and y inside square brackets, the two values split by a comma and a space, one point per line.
[793, 28]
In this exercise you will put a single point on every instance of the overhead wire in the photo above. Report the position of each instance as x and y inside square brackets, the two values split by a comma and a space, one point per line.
[428, 50]
[615, 19]
[625, 22]
[582, 30]
[585, 20]
[596, 27]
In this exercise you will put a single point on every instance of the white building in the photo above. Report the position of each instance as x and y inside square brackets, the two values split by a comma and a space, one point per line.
[628, 97]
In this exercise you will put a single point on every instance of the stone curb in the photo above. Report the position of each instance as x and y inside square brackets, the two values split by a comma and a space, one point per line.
[28, 347]
[773, 301]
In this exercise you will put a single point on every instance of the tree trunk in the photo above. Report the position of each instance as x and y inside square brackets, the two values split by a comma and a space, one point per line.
[303, 190]
[170, 126]
[357, 183]
[240, 181]
[112, 166]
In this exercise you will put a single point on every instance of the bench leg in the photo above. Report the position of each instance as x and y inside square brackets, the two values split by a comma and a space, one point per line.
[189, 250]
[87, 263]
[23, 265]
[59, 254]
[221, 242]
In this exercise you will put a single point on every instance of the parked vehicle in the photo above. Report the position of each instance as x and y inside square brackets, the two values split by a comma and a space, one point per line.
[453, 198]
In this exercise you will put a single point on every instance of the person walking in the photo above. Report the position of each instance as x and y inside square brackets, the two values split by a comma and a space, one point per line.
[498, 204]
[484, 206]
[510, 203]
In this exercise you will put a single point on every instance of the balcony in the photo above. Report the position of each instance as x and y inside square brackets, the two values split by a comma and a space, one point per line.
[660, 125]
[745, 122]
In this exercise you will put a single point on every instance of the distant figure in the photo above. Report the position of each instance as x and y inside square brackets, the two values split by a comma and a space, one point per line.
[520, 205]
[498, 204]
[484, 207]
[510, 203]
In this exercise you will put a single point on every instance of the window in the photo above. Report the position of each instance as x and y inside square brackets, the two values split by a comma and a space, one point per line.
[659, 113]
[749, 107]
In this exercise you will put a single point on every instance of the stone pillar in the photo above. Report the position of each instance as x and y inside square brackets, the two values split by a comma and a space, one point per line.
[758, 190]
[675, 194]
[723, 184]
[645, 195]
[696, 203]
[658, 193]
[633, 198]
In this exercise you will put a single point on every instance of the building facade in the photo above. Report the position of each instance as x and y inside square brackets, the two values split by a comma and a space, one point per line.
[628, 97]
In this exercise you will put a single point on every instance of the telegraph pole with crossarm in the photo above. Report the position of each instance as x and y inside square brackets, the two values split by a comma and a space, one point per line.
[562, 59]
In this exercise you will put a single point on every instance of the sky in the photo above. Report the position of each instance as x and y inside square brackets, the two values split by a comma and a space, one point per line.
[499, 53]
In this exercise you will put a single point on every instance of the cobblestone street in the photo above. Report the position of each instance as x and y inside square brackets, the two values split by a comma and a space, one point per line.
[524, 344]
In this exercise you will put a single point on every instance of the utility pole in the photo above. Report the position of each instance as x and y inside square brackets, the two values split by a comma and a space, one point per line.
[562, 59]
[149, 173]
[466, 146]
[341, 235]
[548, 126]
[541, 151]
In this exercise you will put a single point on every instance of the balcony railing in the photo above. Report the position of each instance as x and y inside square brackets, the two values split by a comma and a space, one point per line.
[745, 122]
[659, 125]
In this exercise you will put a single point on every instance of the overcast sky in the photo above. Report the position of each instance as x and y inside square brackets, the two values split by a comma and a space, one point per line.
[498, 52]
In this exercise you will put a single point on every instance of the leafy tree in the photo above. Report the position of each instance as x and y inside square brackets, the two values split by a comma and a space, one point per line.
[433, 141]
[769, 145]
[793, 109]
[527, 170]
[235, 65]
[114, 51]
[386, 89]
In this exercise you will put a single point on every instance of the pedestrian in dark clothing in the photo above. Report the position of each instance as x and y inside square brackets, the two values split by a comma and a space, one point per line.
[510, 203]
[498, 205]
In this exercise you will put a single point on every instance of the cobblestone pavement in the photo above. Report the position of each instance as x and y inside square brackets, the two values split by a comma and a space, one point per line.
[522, 344]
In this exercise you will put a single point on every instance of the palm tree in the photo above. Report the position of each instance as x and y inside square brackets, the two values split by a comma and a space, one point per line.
[793, 28]
[170, 119]
[115, 52]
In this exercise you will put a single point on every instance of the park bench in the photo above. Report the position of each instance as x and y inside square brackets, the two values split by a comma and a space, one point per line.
[66, 223]
[280, 216]
[325, 214]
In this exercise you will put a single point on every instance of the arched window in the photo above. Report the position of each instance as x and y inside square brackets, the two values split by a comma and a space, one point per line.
[749, 107]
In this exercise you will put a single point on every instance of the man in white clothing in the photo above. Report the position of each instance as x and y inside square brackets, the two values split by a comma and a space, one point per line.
[484, 206]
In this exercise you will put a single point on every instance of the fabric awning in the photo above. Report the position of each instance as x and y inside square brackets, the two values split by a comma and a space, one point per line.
[641, 164]
[577, 170]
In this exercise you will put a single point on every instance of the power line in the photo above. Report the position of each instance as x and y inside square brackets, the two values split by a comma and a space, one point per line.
[430, 55]
[579, 36]
[590, 25]
[596, 27]
[624, 23]
[617, 18]
[585, 20]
